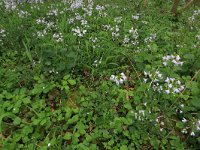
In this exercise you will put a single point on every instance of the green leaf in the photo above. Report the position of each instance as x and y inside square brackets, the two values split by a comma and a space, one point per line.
[124, 147]
[196, 102]
[111, 142]
[179, 125]
[26, 100]
[17, 121]
[66, 77]
[73, 119]
[67, 136]
[155, 143]
[81, 127]
[72, 82]
[128, 106]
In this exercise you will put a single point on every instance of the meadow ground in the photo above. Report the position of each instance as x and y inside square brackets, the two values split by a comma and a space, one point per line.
[89, 74]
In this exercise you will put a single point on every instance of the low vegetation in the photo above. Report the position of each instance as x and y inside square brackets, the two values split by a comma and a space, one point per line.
[99, 75]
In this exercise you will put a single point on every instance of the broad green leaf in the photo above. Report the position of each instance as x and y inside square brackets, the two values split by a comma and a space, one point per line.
[124, 147]
[17, 121]
[67, 136]
[71, 82]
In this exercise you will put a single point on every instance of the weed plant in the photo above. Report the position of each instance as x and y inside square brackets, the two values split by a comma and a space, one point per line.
[88, 74]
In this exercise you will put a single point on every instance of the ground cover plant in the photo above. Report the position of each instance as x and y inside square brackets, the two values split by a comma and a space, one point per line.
[88, 74]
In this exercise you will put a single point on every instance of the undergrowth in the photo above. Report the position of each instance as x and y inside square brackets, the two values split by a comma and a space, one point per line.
[99, 75]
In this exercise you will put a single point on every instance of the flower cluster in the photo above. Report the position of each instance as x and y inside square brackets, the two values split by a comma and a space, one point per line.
[79, 32]
[126, 40]
[23, 14]
[115, 31]
[94, 42]
[89, 8]
[134, 33]
[175, 60]
[140, 115]
[76, 4]
[48, 26]
[173, 86]
[53, 12]
[188, 129]
[100, 10]
[10, 5]
[41, 21]
[97, 62]
[154, 79]
[71, 20]
[194, 15]
[134, 36]
[198, 125]
[136, 17]
[150, 39]
[118, 20]
[2, 35]
[58, 37]
[41, 33]
[118, 80]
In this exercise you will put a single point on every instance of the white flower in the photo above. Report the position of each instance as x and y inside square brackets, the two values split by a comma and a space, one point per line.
[178, 82]
[71, 20]
[141, 112]
[155, 80]
[165, 63]
[160, 75]
[126, 40]
[79, 32]
[176, 90]
[175, 62]
[100, 8]
[112, 77]
[167, 91]
[184, 131]
[198, 125]
[145, 80]
[181, 88]
[49, 144]
[178, 58]
[192, 134]
[121, 81]
[184, 120]
[150, 75]
[172, 79]
[145, 73]
[165, 58]
[181, 63]
[123, 76]
[117, 82]
[167, 80]
[170, 85]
